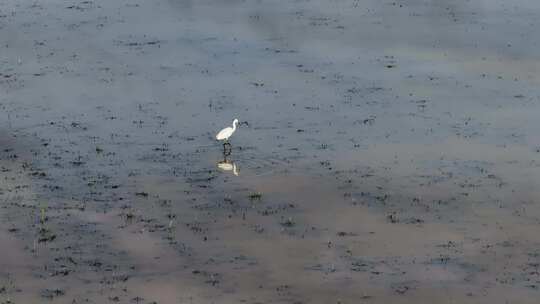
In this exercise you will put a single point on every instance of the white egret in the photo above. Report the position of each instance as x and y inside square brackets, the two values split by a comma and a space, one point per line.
[227, 132]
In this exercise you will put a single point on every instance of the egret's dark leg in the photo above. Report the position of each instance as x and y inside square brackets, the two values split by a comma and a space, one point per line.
[227, 149]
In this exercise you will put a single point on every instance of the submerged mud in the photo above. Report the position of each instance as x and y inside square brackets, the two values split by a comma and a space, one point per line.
[387, 152]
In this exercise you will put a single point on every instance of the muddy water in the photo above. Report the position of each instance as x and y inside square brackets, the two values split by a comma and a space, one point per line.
[388, 152]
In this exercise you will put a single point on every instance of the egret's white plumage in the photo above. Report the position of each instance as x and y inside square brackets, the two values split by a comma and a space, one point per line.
[227, 132]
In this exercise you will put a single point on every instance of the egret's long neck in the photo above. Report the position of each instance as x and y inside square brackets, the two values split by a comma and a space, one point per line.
[234, 125]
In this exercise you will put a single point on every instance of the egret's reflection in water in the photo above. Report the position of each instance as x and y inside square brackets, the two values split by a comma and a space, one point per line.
[227, 164]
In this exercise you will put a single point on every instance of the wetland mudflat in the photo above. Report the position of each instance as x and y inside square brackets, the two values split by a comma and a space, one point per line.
[388, 151]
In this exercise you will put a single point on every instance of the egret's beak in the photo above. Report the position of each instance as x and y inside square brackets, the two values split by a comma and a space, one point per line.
[245, 123]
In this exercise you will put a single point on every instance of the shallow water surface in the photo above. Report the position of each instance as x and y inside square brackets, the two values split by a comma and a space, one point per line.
[388, 151]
